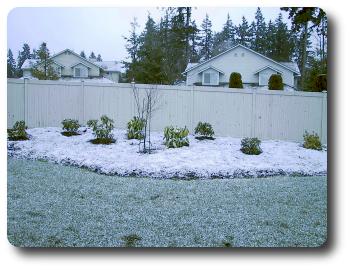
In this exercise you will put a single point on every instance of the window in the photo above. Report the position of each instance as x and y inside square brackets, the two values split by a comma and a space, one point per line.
[210, 78]
[80, 72]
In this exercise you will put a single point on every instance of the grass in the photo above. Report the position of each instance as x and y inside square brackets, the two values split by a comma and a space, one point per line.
[51, 205]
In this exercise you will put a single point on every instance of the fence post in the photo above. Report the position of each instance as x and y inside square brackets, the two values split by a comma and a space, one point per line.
[83, 100]
[192, 108]
[253, 117]
[323, 117]
[25, 105]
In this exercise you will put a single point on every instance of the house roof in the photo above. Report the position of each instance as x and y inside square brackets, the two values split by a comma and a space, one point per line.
[190, 65]
[283, 64]
[266, 67]
[79, 63]
[292, 65]
[74, 53]
[30, 63]
[111, 66]
[211, 67]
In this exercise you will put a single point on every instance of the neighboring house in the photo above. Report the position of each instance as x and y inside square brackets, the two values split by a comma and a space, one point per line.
[254, 68]
[71, 66]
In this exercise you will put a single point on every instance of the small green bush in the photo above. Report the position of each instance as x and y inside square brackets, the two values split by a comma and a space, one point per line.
[235, 80]
[102, 131]
[70, 127]
[176, 137]
[251, 146]
[205, 131]
[321, 82]
[135, 128]
[312, 141]
[18, 132]
[276, 82]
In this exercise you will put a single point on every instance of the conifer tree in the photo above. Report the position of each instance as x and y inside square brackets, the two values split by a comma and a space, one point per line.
[259, 42]
[206, 39]
[43, 69]
[82, 54]
[243, 33]
[132, 47]
[99, 58]
[22, 56]
[92, 56]
[225, 39]
[11, 65]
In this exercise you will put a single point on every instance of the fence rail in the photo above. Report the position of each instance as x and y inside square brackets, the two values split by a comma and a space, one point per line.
[232, 112]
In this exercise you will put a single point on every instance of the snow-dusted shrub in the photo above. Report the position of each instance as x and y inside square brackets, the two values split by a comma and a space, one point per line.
[135, 128]
[312, 141]
[176, 137]
[204, 131]
[276, 82]
[102, 131]
[251, 146]
[70, 127]
[235, 80]
[18, 132]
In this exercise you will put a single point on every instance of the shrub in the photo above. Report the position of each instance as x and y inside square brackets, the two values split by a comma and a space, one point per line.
[276, 82]
[135, 128]
[102, 131]
[205, 131]
[70, 127]
[321, 82]
[251, 146]
[176, 137]
[18, 132]
[235, 80]
[312, 141]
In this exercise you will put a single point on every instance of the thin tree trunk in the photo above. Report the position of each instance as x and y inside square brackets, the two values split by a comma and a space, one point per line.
[304, 56]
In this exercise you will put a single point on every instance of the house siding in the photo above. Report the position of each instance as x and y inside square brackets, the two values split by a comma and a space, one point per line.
[67, 60]
[246, 64]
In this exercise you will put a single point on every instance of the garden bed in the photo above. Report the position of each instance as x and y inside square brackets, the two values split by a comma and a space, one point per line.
[220, 158]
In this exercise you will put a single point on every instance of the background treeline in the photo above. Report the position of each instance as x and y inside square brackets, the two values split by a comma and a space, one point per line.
[38, 55]
[161, 52]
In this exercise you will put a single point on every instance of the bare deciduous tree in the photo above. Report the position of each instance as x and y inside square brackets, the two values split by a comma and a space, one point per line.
[146, 104]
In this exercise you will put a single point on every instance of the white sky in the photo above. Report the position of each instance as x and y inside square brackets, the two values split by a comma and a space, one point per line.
[101, 29]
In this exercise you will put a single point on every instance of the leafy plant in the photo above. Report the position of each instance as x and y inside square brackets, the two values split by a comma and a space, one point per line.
[102, 131]
[135, 128]
[276, 82]
[131, 239]
[235, 80]
[18, 132]
[251, 146]
[70, 127]
[205, 131]
[176, 137]
[312, 141]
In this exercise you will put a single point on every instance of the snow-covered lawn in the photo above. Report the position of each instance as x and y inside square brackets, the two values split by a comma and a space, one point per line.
[202, 159]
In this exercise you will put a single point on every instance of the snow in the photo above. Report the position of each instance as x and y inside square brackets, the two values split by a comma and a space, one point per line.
[109, 66]
[202, 159]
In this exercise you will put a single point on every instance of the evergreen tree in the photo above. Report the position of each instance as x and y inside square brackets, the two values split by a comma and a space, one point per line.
[225, 39]
[282, 42]
[206, 39]
[132, 46]
[243, 33]
[82, 54]
[11, 65]
[43, 69]
[259, 43]
[22, 56]
[194, 42]
[34, 54]
[148, 68]
[92, 56]
[270, 38]
[99, 58]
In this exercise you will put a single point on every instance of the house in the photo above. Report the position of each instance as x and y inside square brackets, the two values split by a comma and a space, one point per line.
[254, 68]
[71, 66]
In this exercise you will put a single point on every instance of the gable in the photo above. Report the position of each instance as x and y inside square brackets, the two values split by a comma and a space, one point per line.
[234, 51]
[68, 58]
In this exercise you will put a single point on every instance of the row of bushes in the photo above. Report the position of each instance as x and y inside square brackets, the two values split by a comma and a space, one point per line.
[174, 137]
[275, 81]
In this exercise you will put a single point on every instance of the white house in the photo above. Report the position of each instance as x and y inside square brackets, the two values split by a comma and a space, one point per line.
[254, 68]
[71, 66]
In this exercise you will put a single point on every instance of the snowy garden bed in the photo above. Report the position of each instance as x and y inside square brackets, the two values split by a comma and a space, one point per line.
[202, 159]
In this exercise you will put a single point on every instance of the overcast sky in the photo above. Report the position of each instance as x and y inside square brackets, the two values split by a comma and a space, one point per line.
[101, 29]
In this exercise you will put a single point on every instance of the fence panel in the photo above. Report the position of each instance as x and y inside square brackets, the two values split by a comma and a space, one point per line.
[232, 112]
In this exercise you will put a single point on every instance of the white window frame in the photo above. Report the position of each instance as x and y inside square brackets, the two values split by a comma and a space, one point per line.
[211, 82]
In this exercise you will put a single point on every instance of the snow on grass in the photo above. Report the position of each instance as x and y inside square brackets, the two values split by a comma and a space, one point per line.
[202, 159]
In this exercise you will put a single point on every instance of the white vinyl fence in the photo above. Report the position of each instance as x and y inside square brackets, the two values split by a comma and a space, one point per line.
[232, 112]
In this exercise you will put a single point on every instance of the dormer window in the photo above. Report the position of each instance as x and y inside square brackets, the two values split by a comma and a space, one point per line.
[210, 78]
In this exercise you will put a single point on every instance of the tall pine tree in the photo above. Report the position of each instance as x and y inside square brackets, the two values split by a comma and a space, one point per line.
[22, 56]
[243, 33]
[259, 43]
[44, 68]
[11, 65]
[206, 39]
